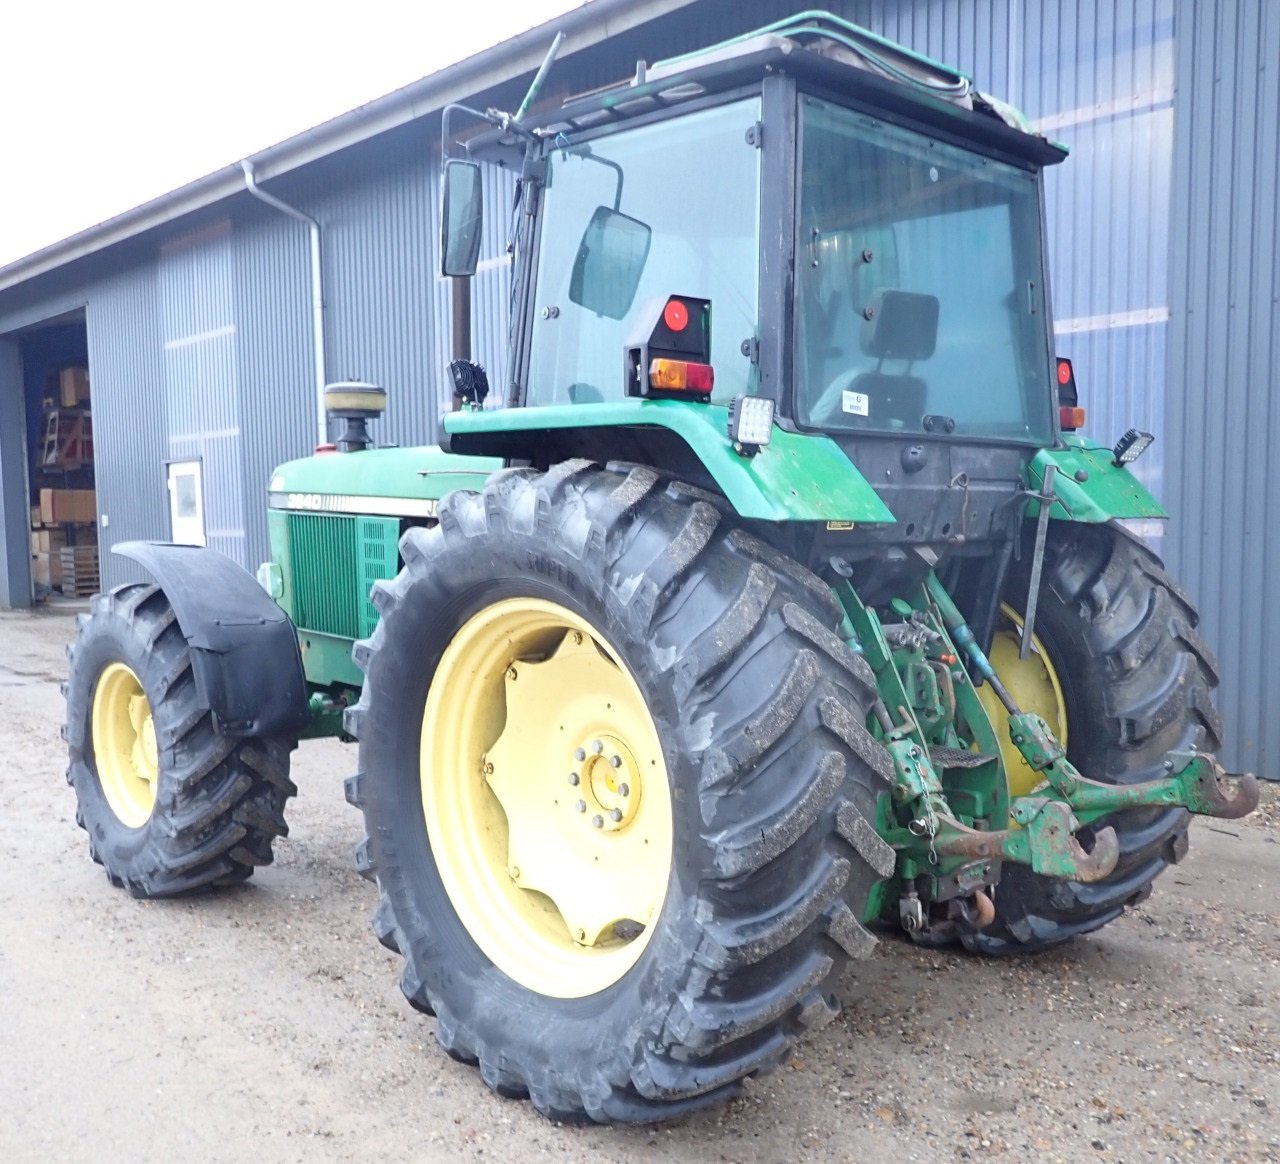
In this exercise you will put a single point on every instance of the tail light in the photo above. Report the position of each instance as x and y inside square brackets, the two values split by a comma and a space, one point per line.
[1070, 414]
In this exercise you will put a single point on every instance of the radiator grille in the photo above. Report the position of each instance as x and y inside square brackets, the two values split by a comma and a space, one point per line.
[334, 560]
[379, 558]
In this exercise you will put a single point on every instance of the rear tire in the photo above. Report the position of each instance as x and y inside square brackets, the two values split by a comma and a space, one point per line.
[1136, 680]
[169, 804]
[773, 782]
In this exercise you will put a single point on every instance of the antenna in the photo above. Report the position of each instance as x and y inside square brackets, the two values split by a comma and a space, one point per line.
[539, 77]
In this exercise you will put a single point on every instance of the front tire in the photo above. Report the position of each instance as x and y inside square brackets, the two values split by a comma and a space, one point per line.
[170, 805]
[1135, 683]
[745, 729]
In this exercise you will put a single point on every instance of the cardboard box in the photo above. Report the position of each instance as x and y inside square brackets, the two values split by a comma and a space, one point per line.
[46, 569]
[46, 541]
[73, 386]
[63, 505]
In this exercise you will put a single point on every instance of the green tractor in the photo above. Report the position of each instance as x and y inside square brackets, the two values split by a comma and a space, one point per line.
[779, 603]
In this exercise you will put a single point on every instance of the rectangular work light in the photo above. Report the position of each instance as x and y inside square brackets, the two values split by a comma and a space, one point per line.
[750, 423]
[1131, 446]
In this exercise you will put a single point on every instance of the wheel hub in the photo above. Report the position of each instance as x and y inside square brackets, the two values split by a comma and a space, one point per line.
[609, 782]
[579, 838]
[1033, 682]
[126, 755]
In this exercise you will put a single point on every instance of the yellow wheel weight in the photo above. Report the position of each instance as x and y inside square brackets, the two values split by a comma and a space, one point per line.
[124, 745]
[546, 797]
[1034, 685]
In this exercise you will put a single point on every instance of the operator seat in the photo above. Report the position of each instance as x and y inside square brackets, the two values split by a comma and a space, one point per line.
[900, 326]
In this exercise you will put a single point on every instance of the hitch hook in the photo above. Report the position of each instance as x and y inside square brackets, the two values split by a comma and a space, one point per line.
[1208, 789]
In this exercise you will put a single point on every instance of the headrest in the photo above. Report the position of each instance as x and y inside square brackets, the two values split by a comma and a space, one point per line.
[903, 325]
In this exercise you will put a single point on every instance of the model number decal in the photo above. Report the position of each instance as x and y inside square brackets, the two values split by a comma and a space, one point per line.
[345, 503]
[310, 501]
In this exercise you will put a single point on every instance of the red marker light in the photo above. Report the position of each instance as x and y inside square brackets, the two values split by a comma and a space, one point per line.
[675, 315]
[700, 377]
[1064, 371]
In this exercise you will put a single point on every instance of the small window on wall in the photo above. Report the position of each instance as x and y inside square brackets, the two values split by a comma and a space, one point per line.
[186, 503]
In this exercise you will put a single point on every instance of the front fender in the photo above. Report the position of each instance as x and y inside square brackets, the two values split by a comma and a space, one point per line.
[244, 652]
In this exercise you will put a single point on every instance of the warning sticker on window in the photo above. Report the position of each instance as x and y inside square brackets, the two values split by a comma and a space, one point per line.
[856, 402]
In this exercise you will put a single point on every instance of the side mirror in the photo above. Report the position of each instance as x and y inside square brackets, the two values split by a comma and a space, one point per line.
[611, 258]
[461, 218]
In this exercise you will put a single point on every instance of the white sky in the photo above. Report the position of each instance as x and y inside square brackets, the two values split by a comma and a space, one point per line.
[105, 104]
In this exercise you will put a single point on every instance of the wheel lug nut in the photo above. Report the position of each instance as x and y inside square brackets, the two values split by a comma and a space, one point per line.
[581, 806]
[624, 789]
[597, 821]
[580, 754]
[615, 761]
[615, 815]
[573, 779]
[597, 747]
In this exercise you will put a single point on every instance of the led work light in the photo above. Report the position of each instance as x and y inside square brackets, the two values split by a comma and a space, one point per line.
[1131, 446]
[750, 423]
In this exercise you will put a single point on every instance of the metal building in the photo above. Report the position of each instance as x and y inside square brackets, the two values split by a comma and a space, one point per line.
[206, 336]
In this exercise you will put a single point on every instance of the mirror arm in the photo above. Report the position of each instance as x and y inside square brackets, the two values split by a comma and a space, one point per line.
[587, 154]
[493, 117]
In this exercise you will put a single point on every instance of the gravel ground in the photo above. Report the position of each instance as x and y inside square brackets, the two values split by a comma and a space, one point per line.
[266, 1023]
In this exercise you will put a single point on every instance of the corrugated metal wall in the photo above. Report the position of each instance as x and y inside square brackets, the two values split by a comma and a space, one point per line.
[14, 518]
[1099, 77]
[1224, 416]
[130, 412]
[272, 278]
[377, 288]
[198, 320]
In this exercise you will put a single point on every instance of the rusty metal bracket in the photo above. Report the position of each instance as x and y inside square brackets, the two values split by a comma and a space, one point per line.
[1206, 788]
[1198, 783]
[1046, 841]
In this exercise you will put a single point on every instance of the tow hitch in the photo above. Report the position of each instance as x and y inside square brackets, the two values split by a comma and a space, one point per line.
[949, 853]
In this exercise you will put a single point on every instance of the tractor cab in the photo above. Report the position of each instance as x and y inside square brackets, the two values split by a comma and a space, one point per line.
[807, 228]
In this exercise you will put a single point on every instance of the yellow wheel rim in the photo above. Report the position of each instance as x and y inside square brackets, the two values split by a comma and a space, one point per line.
[546, 797]
[1034, 685]
[124, 745]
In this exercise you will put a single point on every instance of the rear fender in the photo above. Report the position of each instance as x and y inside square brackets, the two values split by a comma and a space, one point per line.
[1089, 486]
[244, 651]
[795, 477]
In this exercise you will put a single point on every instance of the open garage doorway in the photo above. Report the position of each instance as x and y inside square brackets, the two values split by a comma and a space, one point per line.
[61, 530]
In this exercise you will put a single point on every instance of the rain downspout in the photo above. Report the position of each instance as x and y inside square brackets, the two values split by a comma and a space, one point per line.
[317, 291]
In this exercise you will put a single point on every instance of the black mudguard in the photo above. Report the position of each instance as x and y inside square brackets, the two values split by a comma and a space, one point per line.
[244, 651]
